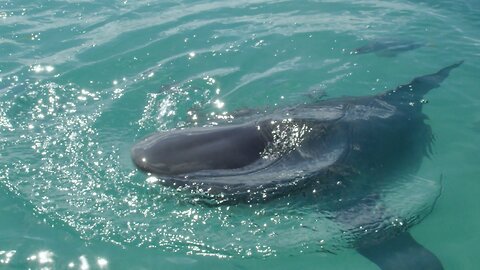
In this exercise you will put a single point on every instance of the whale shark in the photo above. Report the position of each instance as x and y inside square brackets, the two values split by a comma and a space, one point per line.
[388, 48]
[306, 147]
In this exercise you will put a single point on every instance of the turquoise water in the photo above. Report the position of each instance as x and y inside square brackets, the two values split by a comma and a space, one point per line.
[81, 81]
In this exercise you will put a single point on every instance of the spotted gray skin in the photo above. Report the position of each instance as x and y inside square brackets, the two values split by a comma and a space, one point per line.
[309, 146]
[342, 137]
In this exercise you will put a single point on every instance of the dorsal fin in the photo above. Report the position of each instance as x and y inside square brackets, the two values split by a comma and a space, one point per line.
[419, 86]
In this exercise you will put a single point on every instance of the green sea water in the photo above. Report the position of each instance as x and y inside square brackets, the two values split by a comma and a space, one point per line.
[81, 81]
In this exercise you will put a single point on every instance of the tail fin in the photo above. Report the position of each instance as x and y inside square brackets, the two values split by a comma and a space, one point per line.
[420, 86]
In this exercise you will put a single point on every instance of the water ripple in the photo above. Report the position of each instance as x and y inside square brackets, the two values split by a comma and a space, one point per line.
[80, 81]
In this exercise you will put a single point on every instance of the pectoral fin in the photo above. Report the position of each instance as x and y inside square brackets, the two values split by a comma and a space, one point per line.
[401, 253]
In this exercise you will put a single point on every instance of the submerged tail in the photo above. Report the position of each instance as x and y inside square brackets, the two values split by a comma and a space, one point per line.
[418, 87]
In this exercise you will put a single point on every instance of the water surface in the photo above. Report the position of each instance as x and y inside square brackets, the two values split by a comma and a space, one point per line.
[81, 81]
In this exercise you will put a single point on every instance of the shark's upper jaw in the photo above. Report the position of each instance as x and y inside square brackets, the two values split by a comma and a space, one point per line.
[189, 151]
